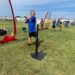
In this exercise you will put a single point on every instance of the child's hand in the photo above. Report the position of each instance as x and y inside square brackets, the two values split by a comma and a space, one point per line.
[25, 17]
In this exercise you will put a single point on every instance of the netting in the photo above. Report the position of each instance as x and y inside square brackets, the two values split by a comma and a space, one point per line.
[6, 16]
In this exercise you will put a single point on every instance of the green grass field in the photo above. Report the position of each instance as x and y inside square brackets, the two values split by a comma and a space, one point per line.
[15, 58]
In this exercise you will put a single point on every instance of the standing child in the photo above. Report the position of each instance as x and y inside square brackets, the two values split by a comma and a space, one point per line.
[59, 24]
[31, 26]
[54, 24]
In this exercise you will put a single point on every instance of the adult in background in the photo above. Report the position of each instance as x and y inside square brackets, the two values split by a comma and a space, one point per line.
[42, 24]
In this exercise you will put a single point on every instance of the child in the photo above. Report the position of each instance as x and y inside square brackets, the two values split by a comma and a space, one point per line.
[31, 26]
[59, 24]
[54, 24]
[66, 23]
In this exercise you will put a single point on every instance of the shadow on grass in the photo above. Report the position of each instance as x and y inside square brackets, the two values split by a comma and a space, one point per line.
[39, 42]
[37, 54]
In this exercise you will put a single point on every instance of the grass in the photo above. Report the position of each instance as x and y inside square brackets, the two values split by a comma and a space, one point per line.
[59, 47]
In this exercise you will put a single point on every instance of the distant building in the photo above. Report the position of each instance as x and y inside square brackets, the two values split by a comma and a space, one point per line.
[22, 19]
[6, 18]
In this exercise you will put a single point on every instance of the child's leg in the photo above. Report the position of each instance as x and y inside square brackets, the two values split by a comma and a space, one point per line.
[60, 27]
[29, 40]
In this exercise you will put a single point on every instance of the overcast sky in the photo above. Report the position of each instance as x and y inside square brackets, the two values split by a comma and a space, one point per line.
[58, 8]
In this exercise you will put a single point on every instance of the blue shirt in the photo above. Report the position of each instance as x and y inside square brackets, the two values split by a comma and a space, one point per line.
[31, 24]
[54, 23]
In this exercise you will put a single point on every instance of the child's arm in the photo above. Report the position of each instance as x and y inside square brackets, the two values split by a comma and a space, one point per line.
[26, 20]
[33, 19]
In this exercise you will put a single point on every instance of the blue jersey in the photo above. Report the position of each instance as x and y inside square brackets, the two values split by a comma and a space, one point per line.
[54, 23]
[31, 24]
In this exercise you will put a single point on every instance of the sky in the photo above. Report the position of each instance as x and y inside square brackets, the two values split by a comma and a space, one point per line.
[56, 8]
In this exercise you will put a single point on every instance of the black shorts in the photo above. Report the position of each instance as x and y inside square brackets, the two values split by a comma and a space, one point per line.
[32, 34]
[53, 26]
